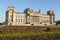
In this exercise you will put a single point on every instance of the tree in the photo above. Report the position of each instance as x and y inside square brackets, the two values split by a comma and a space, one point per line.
[0, 23]
[57, 22]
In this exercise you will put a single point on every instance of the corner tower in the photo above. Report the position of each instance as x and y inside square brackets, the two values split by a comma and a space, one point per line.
[52, 16]
[9, 15]
[28, 11]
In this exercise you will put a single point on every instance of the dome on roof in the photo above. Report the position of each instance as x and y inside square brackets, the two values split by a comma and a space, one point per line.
[51, 13]
[28, 10]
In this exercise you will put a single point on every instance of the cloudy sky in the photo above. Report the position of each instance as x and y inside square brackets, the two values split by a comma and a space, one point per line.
[20, 5]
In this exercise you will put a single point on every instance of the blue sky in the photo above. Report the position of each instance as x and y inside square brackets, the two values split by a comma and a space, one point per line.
[20, 5]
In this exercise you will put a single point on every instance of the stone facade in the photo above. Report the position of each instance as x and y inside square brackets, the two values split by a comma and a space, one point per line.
[29, 17]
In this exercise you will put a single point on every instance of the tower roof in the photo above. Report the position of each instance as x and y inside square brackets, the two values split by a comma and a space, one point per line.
[10, 7]
[28, 9]
[51, 13]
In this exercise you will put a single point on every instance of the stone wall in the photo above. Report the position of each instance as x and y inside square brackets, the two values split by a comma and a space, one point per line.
[20, 29]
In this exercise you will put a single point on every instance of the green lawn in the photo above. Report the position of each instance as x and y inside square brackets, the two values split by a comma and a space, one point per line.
[1, 27]
[29, 34]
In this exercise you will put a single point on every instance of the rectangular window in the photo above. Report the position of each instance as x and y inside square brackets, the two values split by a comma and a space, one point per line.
[11, 18]
[16, 20]
[21, 20]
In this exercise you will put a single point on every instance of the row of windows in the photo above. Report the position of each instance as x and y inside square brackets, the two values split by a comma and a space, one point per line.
[19, 23]
[20, 20]
[35, 16]
[16, 23]
[45, 18]
[34, 19]
[19, 16]
[45, 21]
[37, 20]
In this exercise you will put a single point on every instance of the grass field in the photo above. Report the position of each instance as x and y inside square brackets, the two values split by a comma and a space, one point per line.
[0, 26]
[29, 34]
